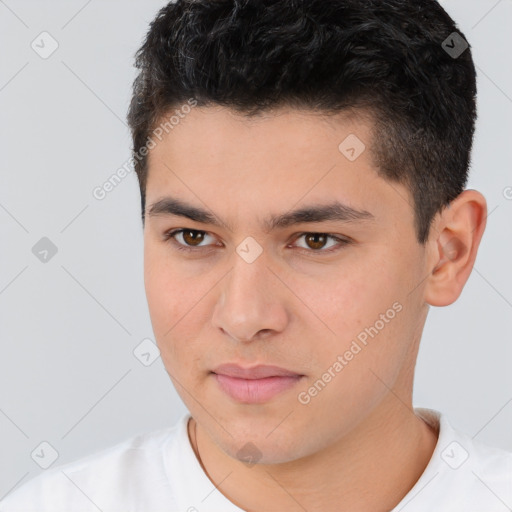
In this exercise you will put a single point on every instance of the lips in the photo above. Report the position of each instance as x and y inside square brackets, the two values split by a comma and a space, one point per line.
[254, 385]
[256, 372]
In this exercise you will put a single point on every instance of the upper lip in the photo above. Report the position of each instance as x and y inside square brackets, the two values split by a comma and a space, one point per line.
[255, 372]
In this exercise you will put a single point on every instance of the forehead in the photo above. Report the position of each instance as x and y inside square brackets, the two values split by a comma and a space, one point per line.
[271, 162]
[284, 143]
[216, 127]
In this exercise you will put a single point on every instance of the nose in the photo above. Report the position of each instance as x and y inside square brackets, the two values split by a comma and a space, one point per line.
[251, 303]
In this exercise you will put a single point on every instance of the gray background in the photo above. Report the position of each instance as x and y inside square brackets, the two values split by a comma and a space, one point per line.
[69, 326]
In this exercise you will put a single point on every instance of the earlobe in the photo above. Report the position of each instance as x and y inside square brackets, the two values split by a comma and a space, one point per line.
[461, 227]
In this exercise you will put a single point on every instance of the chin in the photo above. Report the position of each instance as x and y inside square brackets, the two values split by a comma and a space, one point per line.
[260, 449]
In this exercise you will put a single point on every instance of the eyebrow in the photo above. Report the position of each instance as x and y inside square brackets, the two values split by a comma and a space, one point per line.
[334, 211]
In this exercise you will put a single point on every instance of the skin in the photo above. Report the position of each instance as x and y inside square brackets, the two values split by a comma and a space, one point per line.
[357, 445]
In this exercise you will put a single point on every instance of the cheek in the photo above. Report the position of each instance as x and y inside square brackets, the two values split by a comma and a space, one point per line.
[176, 300]
[168, 288]
[160, 287]
[165, 296]
[364, 312]
[351, 299]
[364, 349]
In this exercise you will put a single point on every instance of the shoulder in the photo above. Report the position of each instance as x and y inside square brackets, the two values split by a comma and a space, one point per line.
[484, 462]
[491, 466]
[464, 474]
[479, 472]
[108, 478]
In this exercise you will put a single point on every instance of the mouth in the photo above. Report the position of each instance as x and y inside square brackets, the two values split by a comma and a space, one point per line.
[254, 385]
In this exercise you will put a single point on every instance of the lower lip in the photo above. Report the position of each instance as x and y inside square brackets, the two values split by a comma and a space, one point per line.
[254, 391]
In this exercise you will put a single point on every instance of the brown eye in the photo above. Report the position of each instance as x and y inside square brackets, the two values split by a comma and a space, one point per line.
[193, 237]
[187, 239]
[316, 240]
[322, 242]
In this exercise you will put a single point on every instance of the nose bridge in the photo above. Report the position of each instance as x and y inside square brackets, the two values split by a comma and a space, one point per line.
[248, 301]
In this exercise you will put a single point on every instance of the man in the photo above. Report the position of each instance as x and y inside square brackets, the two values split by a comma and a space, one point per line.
[302, 168]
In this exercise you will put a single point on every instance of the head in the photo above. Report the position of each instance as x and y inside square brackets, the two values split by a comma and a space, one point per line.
[315, 155]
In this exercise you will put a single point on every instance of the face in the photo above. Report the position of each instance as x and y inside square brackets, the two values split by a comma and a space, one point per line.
[334, 296]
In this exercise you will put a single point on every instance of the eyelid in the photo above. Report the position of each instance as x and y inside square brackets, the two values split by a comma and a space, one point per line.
[341, 239]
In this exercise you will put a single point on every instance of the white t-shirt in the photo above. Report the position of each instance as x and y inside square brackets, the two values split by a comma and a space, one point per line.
[158, 471]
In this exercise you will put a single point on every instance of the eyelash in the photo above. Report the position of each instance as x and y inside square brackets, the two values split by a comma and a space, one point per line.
[170, 235]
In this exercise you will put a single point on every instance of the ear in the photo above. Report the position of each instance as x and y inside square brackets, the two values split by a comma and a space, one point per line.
[454, 241]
